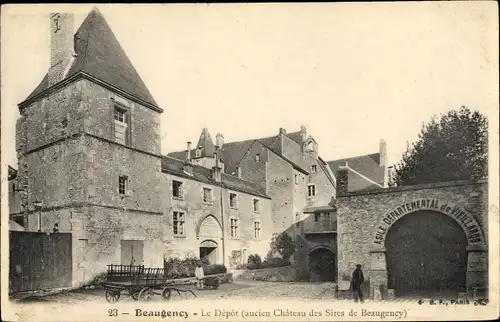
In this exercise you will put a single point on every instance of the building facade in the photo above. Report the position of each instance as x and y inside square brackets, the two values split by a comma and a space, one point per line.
[90, 164]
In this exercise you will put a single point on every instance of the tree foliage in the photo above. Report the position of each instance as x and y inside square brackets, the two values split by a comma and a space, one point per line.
[452, 147]
[282, 246]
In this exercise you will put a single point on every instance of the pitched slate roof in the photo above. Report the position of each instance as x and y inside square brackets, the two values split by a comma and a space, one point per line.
[231, 153]
[202, 174]
[206, 144]
[367, 165]
[100, 55]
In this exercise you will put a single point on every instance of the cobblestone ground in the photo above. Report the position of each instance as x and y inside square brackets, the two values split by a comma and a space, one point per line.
[240, 290]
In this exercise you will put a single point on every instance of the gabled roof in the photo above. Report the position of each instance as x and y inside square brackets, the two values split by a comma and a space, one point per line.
[202, 174]
[231, 153]
[367, 165]
[99, 54]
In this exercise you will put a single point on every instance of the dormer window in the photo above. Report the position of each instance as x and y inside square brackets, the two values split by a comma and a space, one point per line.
[310, 146]
[257, 157]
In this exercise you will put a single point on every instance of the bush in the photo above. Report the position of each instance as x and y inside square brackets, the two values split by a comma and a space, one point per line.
[214, 269]
[182, 268]
[276, 262]
[254, 262]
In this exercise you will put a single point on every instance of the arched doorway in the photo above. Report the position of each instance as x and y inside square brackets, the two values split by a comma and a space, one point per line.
[322, 265]
[426, 255]
[208, 251]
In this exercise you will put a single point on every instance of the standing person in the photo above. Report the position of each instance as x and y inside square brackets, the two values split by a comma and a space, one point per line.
[357, 281]
[199, 274]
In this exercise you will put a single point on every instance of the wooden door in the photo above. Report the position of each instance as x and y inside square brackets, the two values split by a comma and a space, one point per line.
[132, 252]
[426, 255]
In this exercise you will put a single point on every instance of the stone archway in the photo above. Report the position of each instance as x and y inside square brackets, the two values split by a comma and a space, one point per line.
[426, 255]
[209, 234]
[473, 242]
[322, 264]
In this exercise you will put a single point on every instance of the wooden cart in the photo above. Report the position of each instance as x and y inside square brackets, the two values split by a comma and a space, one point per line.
[138, 282]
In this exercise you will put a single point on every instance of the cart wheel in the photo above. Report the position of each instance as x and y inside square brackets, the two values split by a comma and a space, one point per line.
[134, 294]
[112, 296]
[145, 294]
[166, 293]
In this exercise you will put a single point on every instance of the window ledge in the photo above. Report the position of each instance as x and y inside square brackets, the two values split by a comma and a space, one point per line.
[208, 203]
[177, 198]
[180, 236]
[234, 208]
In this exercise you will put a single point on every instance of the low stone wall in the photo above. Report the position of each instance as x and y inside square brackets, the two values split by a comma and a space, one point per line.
[272, 274]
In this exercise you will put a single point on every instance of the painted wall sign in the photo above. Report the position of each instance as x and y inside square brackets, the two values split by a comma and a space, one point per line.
[467, 221]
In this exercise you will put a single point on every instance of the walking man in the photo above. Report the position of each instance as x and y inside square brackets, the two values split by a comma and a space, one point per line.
[357, 281]
[199, 274]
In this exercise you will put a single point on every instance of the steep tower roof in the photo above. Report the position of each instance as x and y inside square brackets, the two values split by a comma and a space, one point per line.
[100, 55]
[206, 144]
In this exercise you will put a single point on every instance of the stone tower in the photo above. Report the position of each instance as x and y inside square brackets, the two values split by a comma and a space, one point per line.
[88, 144]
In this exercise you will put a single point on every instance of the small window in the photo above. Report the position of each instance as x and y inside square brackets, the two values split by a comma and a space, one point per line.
[310, 146]
[122, 185]
[314, 168]
[256, 205]
[233, 202]
[178, 220]
[256, 229]
[207, 195]
[234, 227]
[120, 126]
[311, 190]
[296, 179]
[317, 216]
[198, 152]
[297, 219]
[177, 189]
[257, 157]
[119, 115]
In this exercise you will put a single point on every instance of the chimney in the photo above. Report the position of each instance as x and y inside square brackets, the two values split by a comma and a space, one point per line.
[219, 140]
[188, 152]
[383, 153]
[238, 172]
[216, 170]
[390, 173]
[303, 133]
[282, 131]
[61, 46]
[342, 177]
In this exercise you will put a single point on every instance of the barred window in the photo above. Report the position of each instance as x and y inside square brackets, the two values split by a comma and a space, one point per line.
[177, 189]
[311, 190]
[178, 219]
[122, 185]
[234, 227]
[256, 229]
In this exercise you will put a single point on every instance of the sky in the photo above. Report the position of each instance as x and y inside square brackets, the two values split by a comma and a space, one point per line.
[352, 73]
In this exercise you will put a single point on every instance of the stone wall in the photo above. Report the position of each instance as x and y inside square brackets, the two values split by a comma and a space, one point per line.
[280, 176]
[361, 225]
[273, 274]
